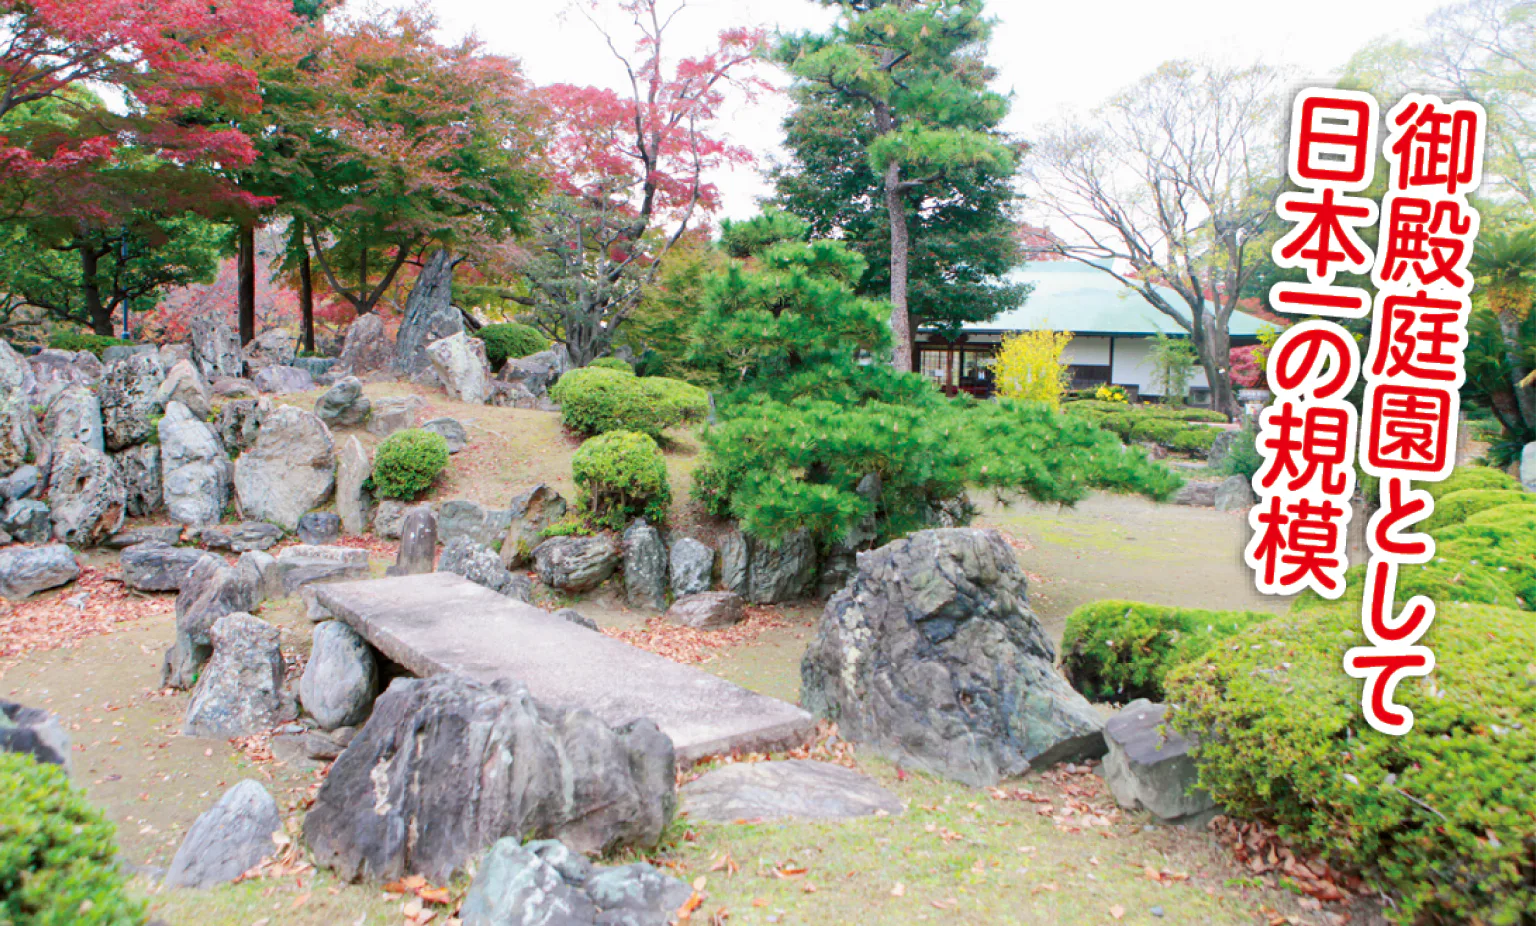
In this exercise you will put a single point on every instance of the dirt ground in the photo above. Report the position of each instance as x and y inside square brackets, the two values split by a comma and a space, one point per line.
[958, 855]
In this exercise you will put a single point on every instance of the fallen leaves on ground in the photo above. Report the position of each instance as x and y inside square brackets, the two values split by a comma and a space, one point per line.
[1261, 850]
[257, 747]
[54, 622]
[827, 746]
[691, 647]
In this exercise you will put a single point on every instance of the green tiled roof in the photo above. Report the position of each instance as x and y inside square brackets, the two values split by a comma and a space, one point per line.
[1070, 296]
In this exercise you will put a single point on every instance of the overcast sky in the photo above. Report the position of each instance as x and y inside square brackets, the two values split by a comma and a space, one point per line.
[1055, 57]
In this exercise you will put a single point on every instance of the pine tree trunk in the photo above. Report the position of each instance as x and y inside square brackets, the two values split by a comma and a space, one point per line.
[901, 322]
[306, 299]
[246, 284]
[90, 289]
[1509, 328]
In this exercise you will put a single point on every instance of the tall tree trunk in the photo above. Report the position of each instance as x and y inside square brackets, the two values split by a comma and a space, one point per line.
[96, 308]
[1218, 371]
[306, 297]
[1509, 328]
[901, 322]
[246, 284]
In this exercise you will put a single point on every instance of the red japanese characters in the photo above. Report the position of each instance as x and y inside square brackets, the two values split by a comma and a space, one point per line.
[1413, 369]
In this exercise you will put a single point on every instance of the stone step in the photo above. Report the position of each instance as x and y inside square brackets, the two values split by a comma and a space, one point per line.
[440, 623]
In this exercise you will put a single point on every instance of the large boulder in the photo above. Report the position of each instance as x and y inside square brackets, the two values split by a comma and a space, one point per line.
[1150, 766]
[272, 348]
[366, 348]
[283, 380]
[140, 470]
[793, 789]
[446, 766]
[393, 413]
[429, 316]
[211, 590]
[130, 399]
[228, 839]
[546, 884]
[692, 566]
[460, 517]
[23, 482]
[35, 732]
[1235, 494]
[195, 471]
[450, 430]
[645, 567]
[341, 678]
[460, 364]
[344, 405]
[708, 610]
[575, 564]
[25, 571]
[17, 424]
[530, 513]
[158, 567]
[480, 565]
[216, 347]
[183, 383]
[53, 371]
[1197, 494]
[418, 542]
[240, 691]
[87, 500]
[74, 414]
[354, 501]
[319, 528]
[535, 372]
[26, 520]
[932, 656]
[785, 571]
[168, 534]
[302, 564]
[240, 538]
[239, 424]
[290, 470]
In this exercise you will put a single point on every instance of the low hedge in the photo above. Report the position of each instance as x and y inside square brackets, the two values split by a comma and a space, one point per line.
[1453, 508]
[619, 476]
[57, 857]
[407, 462]
[1471, 477]
[1443, 817]
[510, 341]
[594, 400]
[75, 341]
[612, 363]
[1121, 650]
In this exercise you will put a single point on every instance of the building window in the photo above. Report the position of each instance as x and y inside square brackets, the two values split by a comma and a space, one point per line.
[1088, 375]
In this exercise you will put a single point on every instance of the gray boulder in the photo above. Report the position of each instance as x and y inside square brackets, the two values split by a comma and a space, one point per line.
[183, 383]
[480, 565]
[27, 521]
[366, 348]
[341, 679]
[451, 430]
[393, 413]
[75, 414]
[1235, 494]
[29, 570]
[429, 316]
[169, 535]
[318, 528]
[418, 543]
[240, 691]
[1221, 448]
[708, 610]
[546, 884]
[239, 424]
[344, 405]
[282, 380]
[575, 564]
[230, 387]
[272, 348]
[130, 400]
[1197, 494]
[459, 517]
[529, 514]
[516, 395]
[34, 732]
[692, 567]
[290, 470]
[794, 789]
[87, 500]
[228, 839]
[121, 351]
[211, 590]
[1149, 765]
[269, 579]
[195, 471]
[1528, 467]
[17, 384]
[645, 567]
[931, 655]
[216, 348]
[158, 567]
[446, 766]
[302, 564]
[23, 482]
[238, 538]
[389, 518]
[460, 364]
[53, 371]
[734, 562]
[139, 468]
[354, 502]
[637, 895]
[782, 572]
[535, 372]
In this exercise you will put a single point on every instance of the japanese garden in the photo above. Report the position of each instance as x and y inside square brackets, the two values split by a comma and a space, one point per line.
[778, 480]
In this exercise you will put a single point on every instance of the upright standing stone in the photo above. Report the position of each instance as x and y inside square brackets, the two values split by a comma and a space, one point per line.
[290, 470]
[782, 572]
[693, 567]
[184, 384]
[195, 471]
[239, 422]
[1235, 494]
[645, 567]
[319, 528]
[272, 348]
[53, 371]
[366, 349]
[87, 498]
[75, 414]
[341, 678]
[240, 691]
[418, 543]
[229, 839]
[429, 316]
[210, 590]
[1528, 467]
[354, 503]
[216, 348]
[140, 470]
[531, 513]
[130, 399]
[735, 558]
[460, 364]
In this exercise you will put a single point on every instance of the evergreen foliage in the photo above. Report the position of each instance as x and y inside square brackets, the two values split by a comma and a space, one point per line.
[1121, 650]
[407, 462]
[595, 400]
[621, 475]
[510, 341]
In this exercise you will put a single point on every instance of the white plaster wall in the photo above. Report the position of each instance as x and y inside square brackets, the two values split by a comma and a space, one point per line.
[1133, 366]
[1087, 351]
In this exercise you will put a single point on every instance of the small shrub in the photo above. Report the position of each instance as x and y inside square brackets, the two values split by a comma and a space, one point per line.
[1243, 458]
[1121, 650]
[596, 401]
[407, 462]
[1193, 440]
[621, 475]
[57, 858]
[612, 363]
[568, 527]
[510, 341]
[75, 341]
[1471, 477]
[1443, 817]
[1029, 366]
[1112, 394]
[690, 402]
[1453, 508]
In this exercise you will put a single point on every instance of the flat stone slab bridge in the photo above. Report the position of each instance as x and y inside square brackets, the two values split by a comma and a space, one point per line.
[440, 623]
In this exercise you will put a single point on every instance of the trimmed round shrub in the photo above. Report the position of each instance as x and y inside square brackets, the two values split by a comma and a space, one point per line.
[1501, 540]
[408, 461]
[1121, 650]
[612, 363]
[510, 341]
[1471, 477]
[594, 400]
[1193, 440]
[75, 341]
[1443, 817]
[57, 858]
[619, 476]
[1453, 508]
